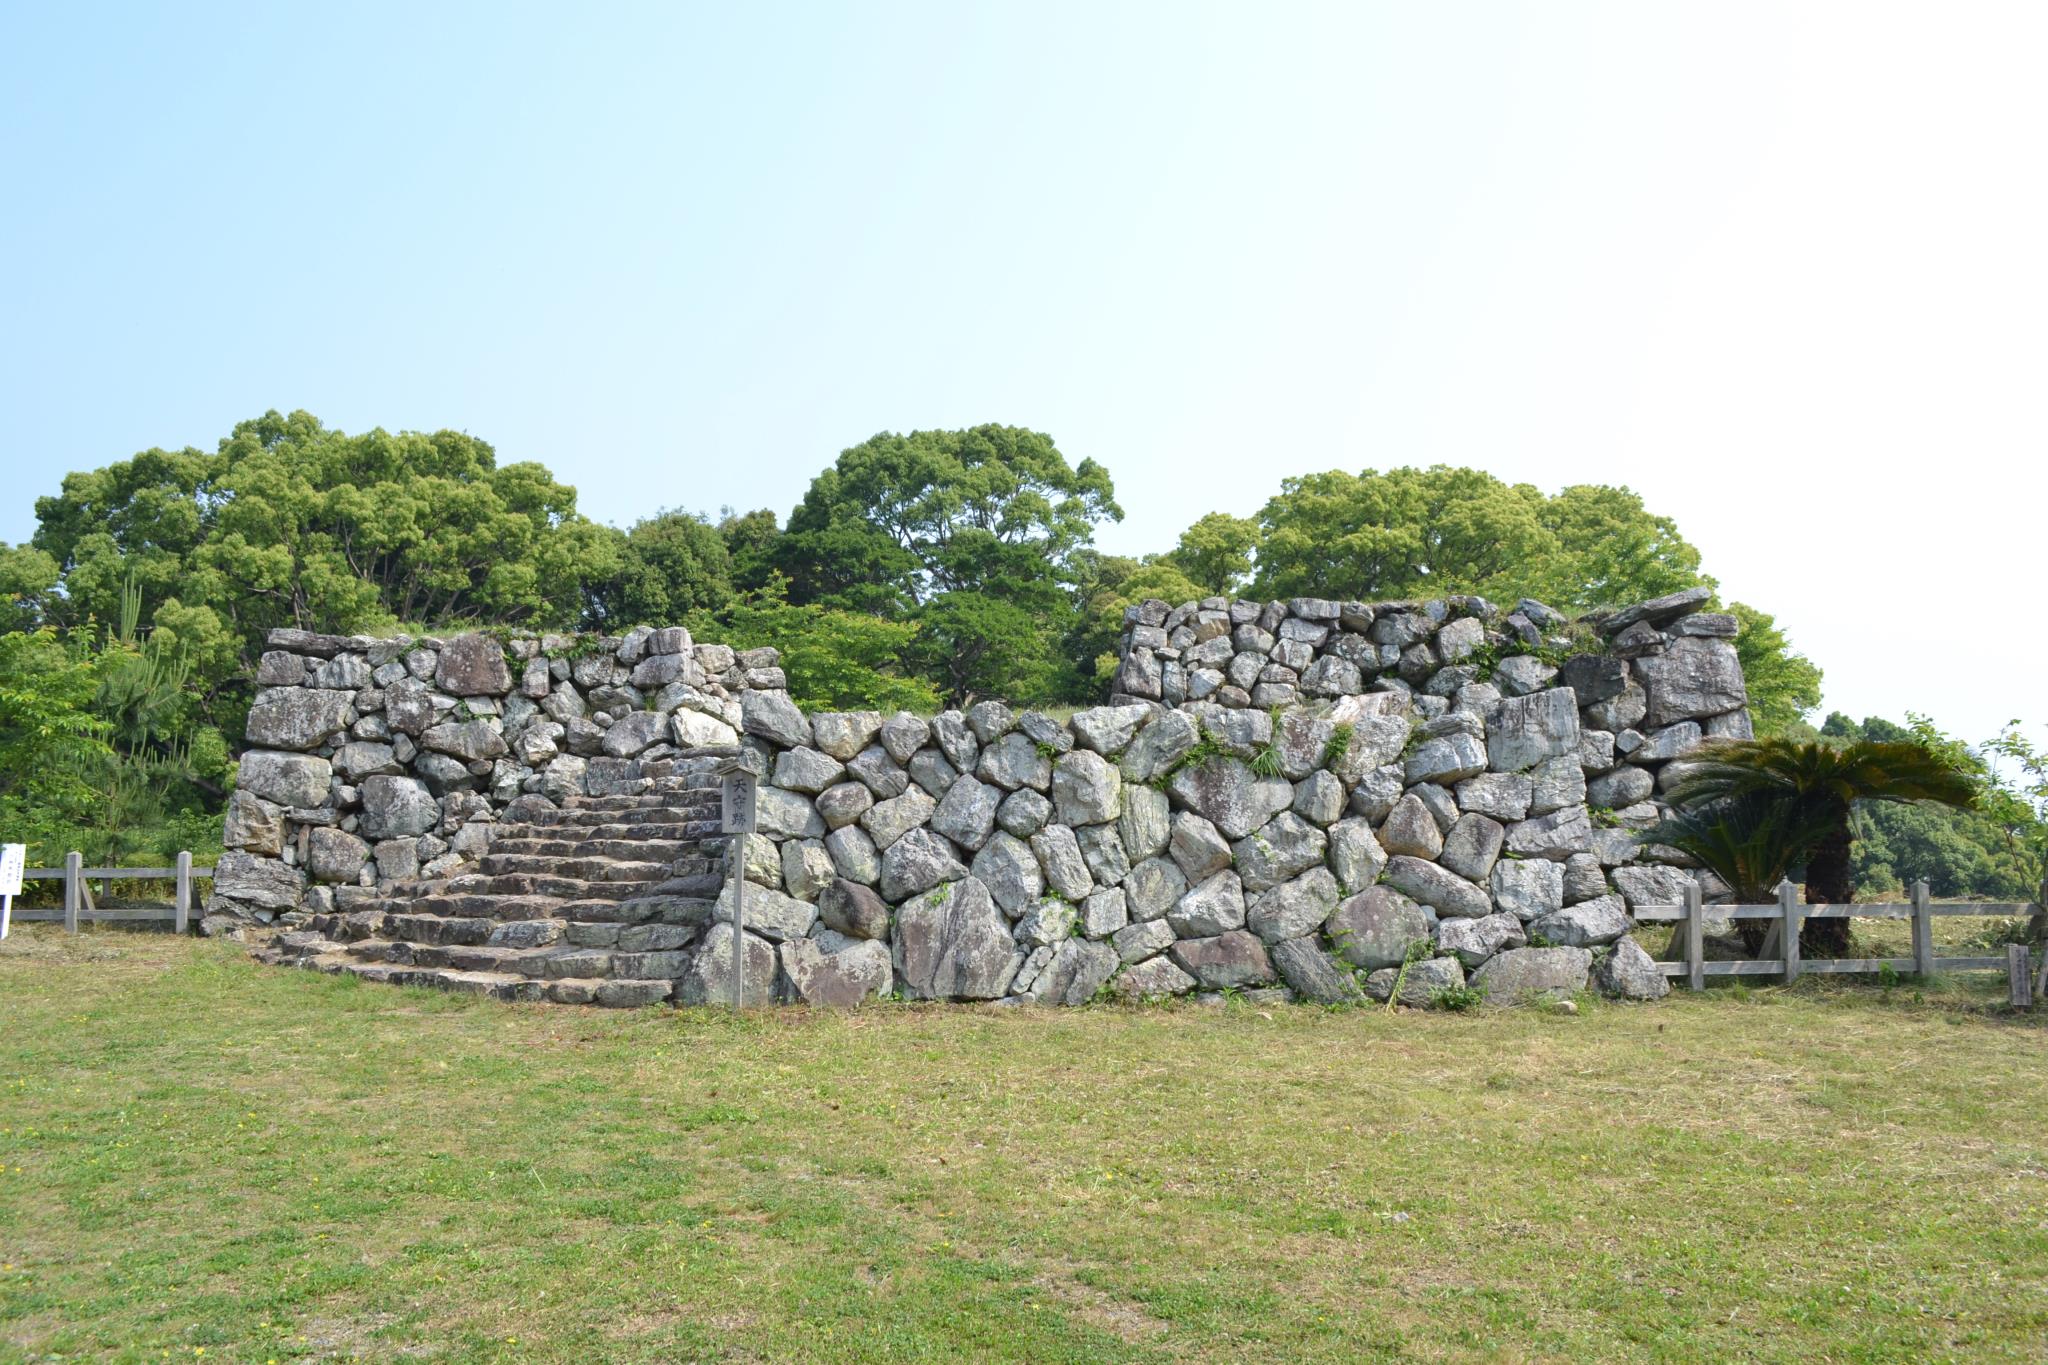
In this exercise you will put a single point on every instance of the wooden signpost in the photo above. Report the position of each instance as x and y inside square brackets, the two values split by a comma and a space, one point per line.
[736, 794]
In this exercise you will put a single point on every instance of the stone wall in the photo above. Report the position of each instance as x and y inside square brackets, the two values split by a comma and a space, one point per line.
[1316, 792]
[1436, 772]
[374, 761]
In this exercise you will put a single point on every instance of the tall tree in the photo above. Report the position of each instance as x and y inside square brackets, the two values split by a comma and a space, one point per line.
[669, 565]
[290, 523]
[969, 533]
[1425, 532]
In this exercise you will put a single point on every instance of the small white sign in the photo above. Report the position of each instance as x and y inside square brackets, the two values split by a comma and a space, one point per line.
[12, 858]
[736, 804]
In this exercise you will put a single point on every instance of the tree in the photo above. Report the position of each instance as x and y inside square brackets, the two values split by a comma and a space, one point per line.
[51, 741]
[834, 660]
[1427, 532]
[290, 523]
[1783, 685]
[750, 546]
[1812, 789]
[1216, 554]
[970, 534]
[1108, 584]
[1982, 853]
[668, 565]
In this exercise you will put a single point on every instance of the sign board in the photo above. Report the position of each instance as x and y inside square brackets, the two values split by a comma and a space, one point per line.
[736, 804]
[12, 856]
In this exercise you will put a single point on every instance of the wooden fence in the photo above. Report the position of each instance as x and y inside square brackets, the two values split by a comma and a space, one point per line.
[78, 899]
[1781, 947]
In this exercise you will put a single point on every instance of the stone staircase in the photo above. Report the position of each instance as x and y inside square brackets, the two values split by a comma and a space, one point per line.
[594, 903]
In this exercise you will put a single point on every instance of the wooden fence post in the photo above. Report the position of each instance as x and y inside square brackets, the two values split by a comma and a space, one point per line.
[1695, 937]
[183, 901]
[2019, 981]
[1788, 921]
[1923, 930]
[74, 889]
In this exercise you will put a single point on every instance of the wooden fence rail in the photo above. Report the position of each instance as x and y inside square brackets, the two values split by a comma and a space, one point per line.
[1781, 947]
[78, 901]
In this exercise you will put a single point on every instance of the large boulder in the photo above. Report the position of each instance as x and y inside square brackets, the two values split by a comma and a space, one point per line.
[775, 718]
[1523, 731]
[1410, 830]
[473, 666]
[1695, 676]
[1376, 927]
[1107, 730]
[1528, 888]
[253, 825]
[1216, 906]
[1013, 761]
[1074, 973]
[334, 855]
[1520, 973]
[1472, 941]
[799, 770]
[843, 734]
[1313, 974]
[1437, 887]
[967, 814]
[1446, 759]
[1065, 866]
[263, 882]
[1229, 795]
[1472, 847]
[1355, 854]
[1294, 908]
[1152, 979]
[1145, 823]
[1629, 973]
[771, 914]
[476, 740]
[1224, 961]
[1588, 924]
[1651, 885]
[1557, 835]
[916, 863]
[849, 908]
[396, 806]
[952, 943]
[708, 979]
[1160, 745]
[1086, 788]
[1009, 869]
[888, 821]
[695, 730]
[285, 778]
[297, 717]
[1286, 847]
[837, 980]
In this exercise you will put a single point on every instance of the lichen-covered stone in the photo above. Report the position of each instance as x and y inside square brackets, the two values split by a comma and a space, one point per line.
[297, 718]
[1585, 925]
[1312, 974]
[473, 666]
[1215, 906]
[1225, 961]
[1294, 908]
[1419, 985]
[1439, 888]
[952, 943]
[1521, 973]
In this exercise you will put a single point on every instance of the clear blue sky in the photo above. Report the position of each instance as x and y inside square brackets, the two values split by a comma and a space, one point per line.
[1778, 268]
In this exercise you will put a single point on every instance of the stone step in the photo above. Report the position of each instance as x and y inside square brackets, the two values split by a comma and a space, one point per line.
[576, 817]
[613, 992]
[519, 885]
[591, 869]
[623, 850]
[649, 829]
[441, 929]
[662, 909]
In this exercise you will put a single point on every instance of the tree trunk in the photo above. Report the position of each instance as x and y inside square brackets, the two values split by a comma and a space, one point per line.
[1829, 881]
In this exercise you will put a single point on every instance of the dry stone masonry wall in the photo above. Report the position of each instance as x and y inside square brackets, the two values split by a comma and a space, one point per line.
[1294, 798]
[375, 762]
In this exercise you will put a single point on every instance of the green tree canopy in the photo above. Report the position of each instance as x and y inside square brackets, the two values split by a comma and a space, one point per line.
[669, 565]
[1425, 532]
[290, 523]
[971, 534]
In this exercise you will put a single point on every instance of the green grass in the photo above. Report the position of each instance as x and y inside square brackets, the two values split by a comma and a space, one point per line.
[204, 1154]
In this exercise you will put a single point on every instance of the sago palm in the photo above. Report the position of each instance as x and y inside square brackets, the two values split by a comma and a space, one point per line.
[1813, 788]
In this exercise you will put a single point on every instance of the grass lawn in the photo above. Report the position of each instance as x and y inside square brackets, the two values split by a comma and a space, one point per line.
[207, 1158]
